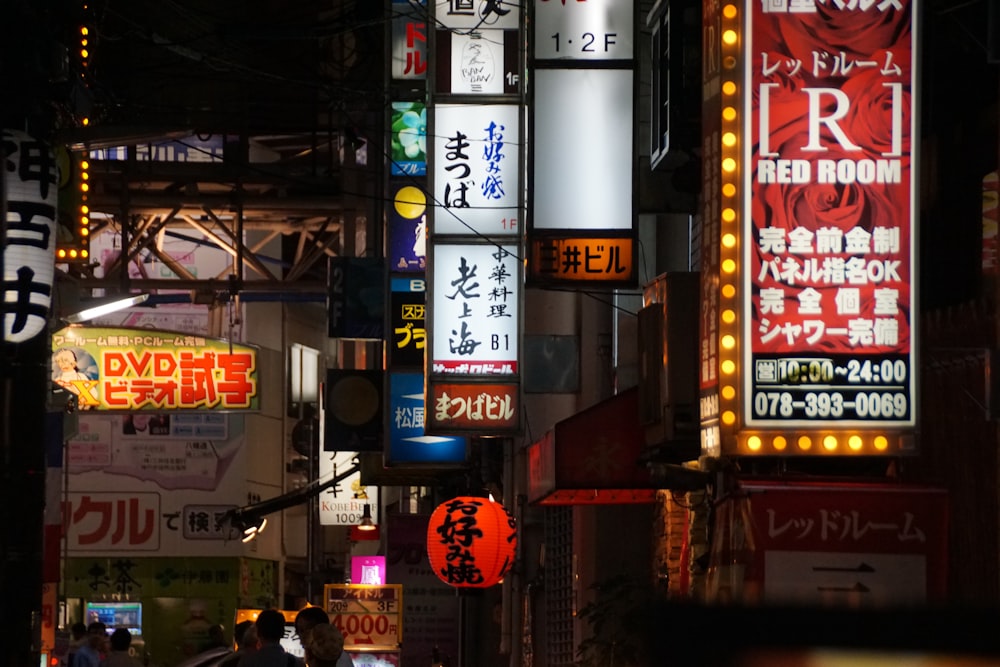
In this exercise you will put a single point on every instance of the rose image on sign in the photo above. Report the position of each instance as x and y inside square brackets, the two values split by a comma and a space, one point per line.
[830, 179]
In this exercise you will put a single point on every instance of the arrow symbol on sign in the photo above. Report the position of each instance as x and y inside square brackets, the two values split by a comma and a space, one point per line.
[856, 588]
[863, 567]
[364, 640]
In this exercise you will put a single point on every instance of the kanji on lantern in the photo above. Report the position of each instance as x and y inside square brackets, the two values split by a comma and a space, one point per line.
[471, 542]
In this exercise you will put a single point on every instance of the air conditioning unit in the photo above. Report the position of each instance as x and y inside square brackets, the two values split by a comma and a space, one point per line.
[668, 367]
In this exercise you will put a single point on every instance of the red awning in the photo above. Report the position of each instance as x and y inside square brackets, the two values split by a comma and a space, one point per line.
[592, 458]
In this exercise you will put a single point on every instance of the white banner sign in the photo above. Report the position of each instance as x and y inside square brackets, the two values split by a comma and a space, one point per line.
[475, 315]
[476, 167]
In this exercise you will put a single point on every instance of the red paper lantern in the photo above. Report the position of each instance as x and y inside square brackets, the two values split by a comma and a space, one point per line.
[471, 542]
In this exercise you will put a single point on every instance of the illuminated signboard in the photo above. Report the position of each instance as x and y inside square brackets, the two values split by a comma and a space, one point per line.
[408, 139]
[29, 248]
[476, 318]
[605, 260]
[582, 190]
[368, 616]
[469, 14]
[476, 167]
[407, 308]
[147, 369]
[477, 62]
[474, 407]
[583, 180]
[407, 226]
[409, 39]
[584, 30]
[343, 504]
[408, 442]
[828, 217]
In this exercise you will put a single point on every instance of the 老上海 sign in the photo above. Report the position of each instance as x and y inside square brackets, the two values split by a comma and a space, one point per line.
[146, 369]
[367, 615]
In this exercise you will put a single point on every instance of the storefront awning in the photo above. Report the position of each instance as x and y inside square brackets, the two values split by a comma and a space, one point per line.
[592, 458]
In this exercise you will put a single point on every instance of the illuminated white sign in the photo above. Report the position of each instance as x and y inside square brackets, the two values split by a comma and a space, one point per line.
[477, 14]
[592, 30]
[583, 149]
[344, 503]
[477, 62]
[476, 157]
[475, 314]
[30, 249]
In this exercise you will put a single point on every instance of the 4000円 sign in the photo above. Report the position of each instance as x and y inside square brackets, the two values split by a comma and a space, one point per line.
[369, 616]
[147, 369]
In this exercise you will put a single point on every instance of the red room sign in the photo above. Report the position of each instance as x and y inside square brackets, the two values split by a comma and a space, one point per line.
[860, 545]
[829, 214]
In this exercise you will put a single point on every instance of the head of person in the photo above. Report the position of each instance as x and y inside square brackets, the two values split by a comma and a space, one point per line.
[78, 630]
[250, 639]
[309, 618]
[120, 639]
[97, 636]
[324, 646]
[65, 359]
[270, 626]
[240, 633]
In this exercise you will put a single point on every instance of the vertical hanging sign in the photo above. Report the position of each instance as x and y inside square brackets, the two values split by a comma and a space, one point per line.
[29, 254]
[829, 333]
[475, 276]
[583, 182]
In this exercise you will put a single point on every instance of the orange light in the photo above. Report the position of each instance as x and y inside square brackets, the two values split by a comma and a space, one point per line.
[830, 443]
[728, 366]
[729, 165]
[728, 316]
[729, 139]
[729, 87]
[84, 30]
[728, 417]
[753, 443]
[728, 342]
[729, 113]
[728, 189]
[881, 443]
[84, 187]
[729, 37]
[728, 266]
[729, 11]
[729, 392]
[729, 291]
[728, 240]
[489, 547]
[779, 443]
[805, 443]
[855, 442]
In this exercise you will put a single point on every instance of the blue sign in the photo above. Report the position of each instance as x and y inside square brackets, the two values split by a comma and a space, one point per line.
[407, 227]
[407, 441]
